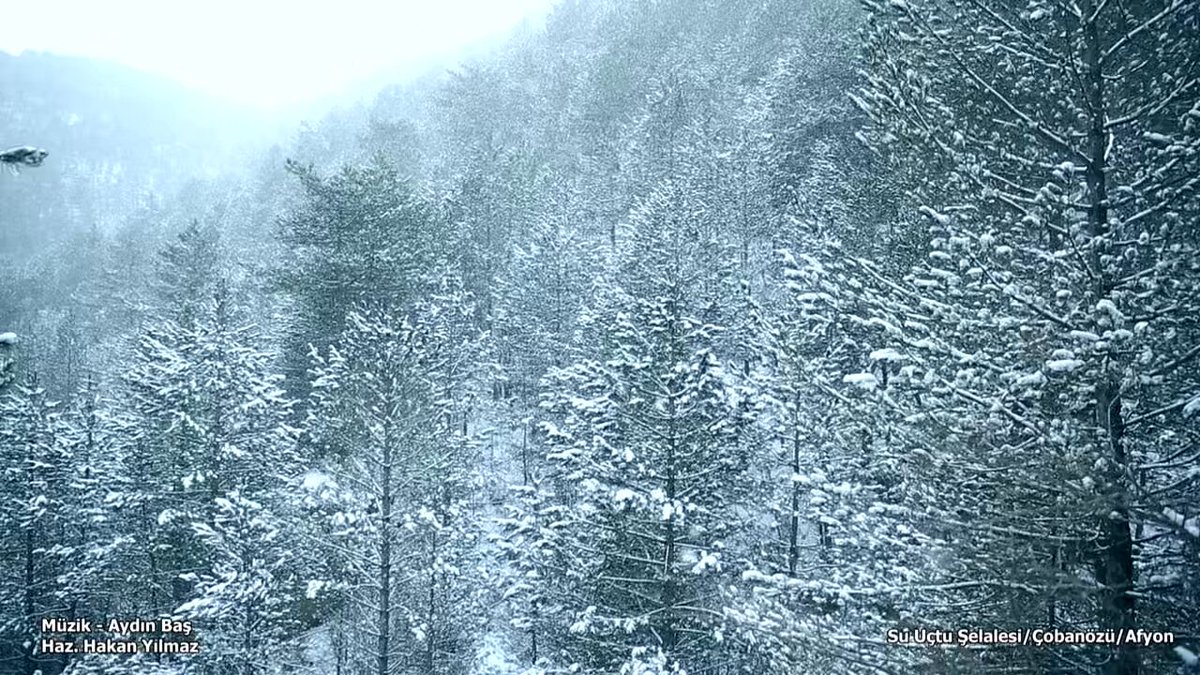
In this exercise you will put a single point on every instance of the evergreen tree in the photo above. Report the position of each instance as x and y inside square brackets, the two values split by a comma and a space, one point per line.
[383, 416]
[37, 472]
[202, 474]
[363, 234]
[644, 439]
[188, 270]
[245, 598]
[1040, 339]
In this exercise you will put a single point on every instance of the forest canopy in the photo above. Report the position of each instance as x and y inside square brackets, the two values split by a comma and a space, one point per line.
[666, 337]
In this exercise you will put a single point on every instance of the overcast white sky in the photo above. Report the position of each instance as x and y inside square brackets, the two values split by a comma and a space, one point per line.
[266, 52]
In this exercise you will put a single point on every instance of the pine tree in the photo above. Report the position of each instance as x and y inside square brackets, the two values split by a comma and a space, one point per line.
[547, 284]
[534, 580]
[92, 436]
[850, 553]
[188, 270]
[639, 434]
[364, 234]
[245, 598]
[1040, 342]
[37, 472]
[209, 445]
[384, 418]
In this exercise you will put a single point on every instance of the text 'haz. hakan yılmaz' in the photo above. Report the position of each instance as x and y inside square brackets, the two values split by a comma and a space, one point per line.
[117, 636]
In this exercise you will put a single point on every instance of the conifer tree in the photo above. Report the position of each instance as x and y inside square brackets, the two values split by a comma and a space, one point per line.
[1038, 347]
[364, 234]
[645, 441]
[384, 419]
[37, 472]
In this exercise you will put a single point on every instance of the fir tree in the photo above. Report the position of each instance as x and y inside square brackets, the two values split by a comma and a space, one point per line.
[383, 416]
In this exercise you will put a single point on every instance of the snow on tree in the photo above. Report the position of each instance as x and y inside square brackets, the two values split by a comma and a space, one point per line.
[244, 599]
[645, 444]
[546, 285]
[840, 569]
[188, 270]
[204, 471]
[364, 234]
[37, 471]
[966, 396]
[401, 537]
[8, 363]
[530, 535]
[1043, 338]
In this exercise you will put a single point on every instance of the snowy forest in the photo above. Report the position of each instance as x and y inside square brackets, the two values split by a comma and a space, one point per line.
[664, 337]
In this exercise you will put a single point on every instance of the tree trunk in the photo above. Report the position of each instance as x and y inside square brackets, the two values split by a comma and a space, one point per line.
[385, 563]
[1115, 559]
[794, 529]
[431, 615]
[669, 590]
[30, 600]
[1115, 563]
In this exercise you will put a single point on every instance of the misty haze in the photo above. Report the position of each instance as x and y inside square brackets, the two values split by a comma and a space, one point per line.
[600, 337]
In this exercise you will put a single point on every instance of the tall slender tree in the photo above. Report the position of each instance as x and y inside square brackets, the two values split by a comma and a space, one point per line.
[1045, 332]
[364, 234]
[383, 416]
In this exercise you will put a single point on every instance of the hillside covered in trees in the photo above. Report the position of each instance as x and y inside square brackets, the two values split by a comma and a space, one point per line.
[672, 337]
